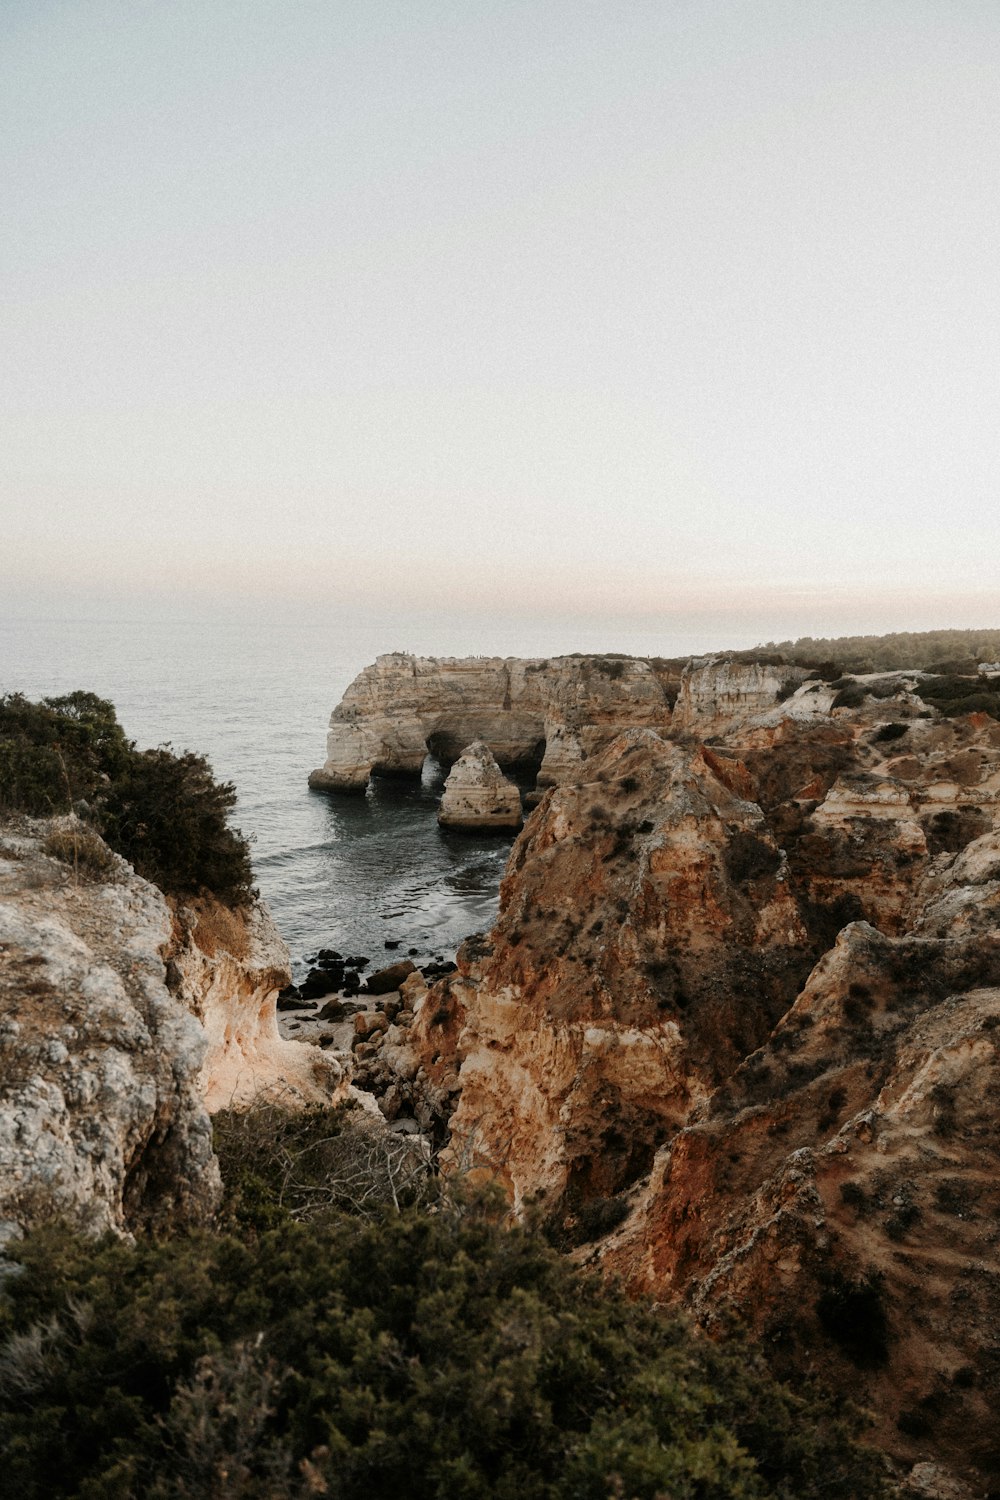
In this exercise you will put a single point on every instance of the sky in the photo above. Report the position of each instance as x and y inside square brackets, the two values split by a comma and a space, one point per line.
[688, 310]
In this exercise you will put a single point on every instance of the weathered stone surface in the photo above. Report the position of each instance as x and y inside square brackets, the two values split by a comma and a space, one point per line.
[121, 1023]
[615, 989]
[717, 693]
[477, 795]
[727, 982]
[101, 1114]
[367, 1023]
[231, 966]
[402, 707]
[840, 1192]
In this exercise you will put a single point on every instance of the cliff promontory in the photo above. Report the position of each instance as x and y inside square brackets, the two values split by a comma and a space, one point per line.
[125, 1019]
[551, 712]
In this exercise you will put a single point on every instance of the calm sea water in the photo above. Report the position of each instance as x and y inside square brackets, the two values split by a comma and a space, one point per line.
[255, 698]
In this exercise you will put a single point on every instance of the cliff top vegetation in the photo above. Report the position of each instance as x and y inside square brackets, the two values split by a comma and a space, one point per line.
[925, 649]
[163, 812]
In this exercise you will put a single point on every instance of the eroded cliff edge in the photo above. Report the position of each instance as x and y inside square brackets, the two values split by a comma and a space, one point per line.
[548, 712]
[125, 1019]
[735, 1036]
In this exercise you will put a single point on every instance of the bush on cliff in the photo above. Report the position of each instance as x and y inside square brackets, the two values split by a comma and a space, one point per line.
[931, 649]
[57, 752]
[165, 813]
[432, 1355]
[168, 816]
[953, 696]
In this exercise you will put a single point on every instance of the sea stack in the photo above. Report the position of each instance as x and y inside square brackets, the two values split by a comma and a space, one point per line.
[477, 795]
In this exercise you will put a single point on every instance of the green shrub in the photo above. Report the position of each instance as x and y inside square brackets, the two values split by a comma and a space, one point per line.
[439, 1356]
[943, 649]
[164, 813]
[168, 816]
[57, 752]
[851, 696]
[956, 695]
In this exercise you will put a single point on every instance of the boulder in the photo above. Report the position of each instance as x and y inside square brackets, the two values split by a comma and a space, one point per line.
[367, 1023]
[385, 980]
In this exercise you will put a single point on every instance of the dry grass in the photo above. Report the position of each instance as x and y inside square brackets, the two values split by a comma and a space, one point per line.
[219, 928]
[84, 850]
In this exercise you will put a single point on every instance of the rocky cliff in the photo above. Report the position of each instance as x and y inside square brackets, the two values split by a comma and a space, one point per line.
[550, 713]
[734, 1035]
[613, 992]
[839, 1193]
[527, 711]
[123, 1021]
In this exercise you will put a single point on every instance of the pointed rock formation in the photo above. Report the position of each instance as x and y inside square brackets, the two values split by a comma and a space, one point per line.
[647, 941]
[477, 795]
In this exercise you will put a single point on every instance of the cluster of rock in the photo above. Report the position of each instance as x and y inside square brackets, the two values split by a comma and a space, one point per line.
[124, 1021]
[736, 1033]
[330, 972]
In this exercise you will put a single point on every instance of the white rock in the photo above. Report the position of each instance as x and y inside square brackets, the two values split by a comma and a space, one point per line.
[107, 1071]
[477, 794]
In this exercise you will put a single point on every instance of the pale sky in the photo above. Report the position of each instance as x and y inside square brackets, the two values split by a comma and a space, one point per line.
[688, 307]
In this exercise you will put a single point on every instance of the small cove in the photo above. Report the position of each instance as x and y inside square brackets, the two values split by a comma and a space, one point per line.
[255, 696]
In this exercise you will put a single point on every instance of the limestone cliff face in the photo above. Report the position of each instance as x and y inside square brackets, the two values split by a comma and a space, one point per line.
[615, 990]
[226, 968]
[840, 1192]
[403, 706]
[477, 795]
[119, 1018]
[562, 709]
[747, 995]
[717, 693]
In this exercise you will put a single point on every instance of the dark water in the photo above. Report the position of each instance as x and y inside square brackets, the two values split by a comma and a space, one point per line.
[382, 869]
[255, 697]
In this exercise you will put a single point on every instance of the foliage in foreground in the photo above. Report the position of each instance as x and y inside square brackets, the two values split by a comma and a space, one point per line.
[429, 1352]
[164, 813]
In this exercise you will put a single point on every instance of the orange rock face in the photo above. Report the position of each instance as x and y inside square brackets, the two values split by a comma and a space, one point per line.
[647, 940]
[839, 1193]
[736, 1029]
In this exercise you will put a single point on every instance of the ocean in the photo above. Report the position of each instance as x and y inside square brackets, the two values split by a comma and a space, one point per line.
[255, 696]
